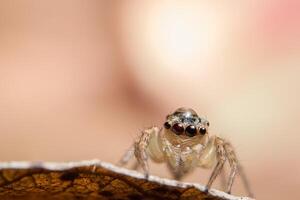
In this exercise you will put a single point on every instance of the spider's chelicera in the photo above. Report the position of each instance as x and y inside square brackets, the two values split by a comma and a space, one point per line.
[184, 143]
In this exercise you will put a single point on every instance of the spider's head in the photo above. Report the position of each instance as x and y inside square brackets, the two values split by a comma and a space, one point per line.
[185, 122]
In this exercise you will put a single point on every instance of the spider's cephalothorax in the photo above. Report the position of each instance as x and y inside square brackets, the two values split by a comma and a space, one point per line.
[184, 143]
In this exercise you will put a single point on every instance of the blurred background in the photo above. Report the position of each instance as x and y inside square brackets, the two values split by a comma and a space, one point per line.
[80, 79]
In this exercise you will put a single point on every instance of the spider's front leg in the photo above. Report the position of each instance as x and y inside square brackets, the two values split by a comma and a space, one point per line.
[127, 156]
[232, 159]
[225, 151]
[140, 148]
[221, 158]
[235, 167]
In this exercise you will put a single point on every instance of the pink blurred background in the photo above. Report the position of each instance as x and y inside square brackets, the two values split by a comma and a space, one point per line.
[80, 79]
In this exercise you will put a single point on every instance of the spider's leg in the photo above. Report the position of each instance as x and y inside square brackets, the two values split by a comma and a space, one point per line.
[223, 179]
[127, 156]
[140, 148]
[233, 164]
[221, 157]
[235, 167]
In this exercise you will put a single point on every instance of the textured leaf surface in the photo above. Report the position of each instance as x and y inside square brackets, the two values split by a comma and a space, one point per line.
[93, 180]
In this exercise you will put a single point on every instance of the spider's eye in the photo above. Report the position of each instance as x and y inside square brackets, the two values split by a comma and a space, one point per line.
[177, 128]
[207, 123]
[190, 131]
[167, 125]
[202, 130]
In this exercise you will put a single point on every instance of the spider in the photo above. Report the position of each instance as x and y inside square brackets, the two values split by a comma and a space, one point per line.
[185, 143]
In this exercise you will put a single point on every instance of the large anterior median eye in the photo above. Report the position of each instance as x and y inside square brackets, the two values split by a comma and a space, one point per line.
[178, 128]
[191, 131]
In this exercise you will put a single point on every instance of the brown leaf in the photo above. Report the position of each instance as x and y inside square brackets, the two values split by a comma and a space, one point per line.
[93, 180]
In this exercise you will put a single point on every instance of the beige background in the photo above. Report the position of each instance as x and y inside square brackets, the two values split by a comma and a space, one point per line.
[80, 79]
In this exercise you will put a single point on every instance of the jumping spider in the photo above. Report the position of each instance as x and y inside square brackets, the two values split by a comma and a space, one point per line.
[185, 143]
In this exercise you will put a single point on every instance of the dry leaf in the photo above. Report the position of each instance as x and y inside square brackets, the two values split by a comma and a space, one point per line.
[93, 180]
